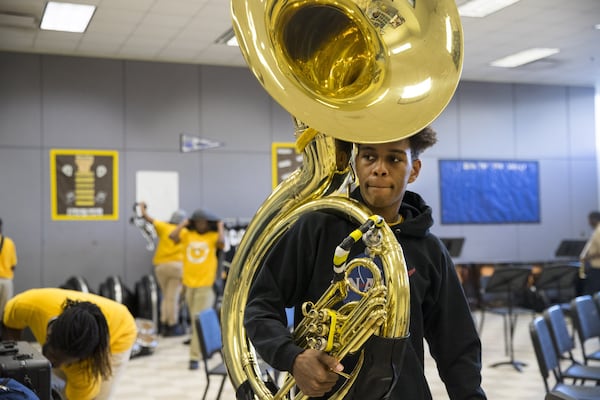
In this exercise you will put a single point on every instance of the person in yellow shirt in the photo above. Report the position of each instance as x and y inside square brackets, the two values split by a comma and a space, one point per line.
[168, 267]
[87, 338]
[201, 236]
[8, 263]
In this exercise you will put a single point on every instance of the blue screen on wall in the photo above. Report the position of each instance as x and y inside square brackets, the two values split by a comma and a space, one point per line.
[489, 191]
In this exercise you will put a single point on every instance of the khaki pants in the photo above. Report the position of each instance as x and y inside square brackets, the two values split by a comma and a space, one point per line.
[198, 299]
[6, 293]
[168, 276]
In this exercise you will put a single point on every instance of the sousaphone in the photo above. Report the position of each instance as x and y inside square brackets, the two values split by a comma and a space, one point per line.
[349, 71]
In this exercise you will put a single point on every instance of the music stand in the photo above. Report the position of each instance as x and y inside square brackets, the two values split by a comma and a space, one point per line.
[508, 281]
[454, 245]
[556, 279]
[570, 248]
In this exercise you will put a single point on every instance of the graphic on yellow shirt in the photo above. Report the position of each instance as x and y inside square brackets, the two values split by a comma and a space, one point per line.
[197, 252]
[200, 261]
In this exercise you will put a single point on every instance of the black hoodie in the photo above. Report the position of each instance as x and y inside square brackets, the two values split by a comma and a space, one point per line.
[299, 269]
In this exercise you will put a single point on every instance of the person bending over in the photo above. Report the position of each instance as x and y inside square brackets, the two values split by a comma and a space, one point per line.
[299, 269]
[8, 263]
[87, 338]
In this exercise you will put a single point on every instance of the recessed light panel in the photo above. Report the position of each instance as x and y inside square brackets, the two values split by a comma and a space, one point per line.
[524, 57]
[67, 17]
[482, 8]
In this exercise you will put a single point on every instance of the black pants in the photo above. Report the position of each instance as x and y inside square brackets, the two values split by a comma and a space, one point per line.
[591, 284]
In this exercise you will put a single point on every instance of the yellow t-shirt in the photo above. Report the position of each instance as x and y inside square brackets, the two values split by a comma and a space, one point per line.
[199, 258]
[34, 309]
[8, 258]
[166, 250]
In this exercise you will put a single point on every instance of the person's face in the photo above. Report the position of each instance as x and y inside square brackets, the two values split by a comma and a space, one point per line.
[383, 171]
[56, 357]
[201, 225]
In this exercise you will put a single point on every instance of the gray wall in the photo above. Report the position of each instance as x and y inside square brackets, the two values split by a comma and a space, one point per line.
[140, 108]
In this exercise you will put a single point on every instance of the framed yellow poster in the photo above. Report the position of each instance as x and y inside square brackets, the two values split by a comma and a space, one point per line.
[84, 184]
[284, 161]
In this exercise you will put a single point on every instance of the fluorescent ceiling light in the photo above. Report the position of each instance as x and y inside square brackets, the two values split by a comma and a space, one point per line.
[482, 8]
[524, 57]
[67, 17]
[232, 42]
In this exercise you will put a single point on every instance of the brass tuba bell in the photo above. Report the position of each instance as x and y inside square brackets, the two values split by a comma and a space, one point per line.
[358, 70]
[365, 71]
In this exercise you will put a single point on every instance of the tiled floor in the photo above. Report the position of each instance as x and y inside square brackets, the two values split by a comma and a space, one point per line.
[164, 374]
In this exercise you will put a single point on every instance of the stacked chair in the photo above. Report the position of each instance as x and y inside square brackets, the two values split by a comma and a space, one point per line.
[564, 347]
[584, 312]
[555, 347]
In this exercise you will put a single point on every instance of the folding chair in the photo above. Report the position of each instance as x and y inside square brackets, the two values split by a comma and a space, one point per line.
[209, 335]
[587, 324]
[564, 346]
[558, 395]
[547, 360]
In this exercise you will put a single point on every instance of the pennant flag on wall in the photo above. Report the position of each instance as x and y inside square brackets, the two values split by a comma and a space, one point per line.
[193, 143]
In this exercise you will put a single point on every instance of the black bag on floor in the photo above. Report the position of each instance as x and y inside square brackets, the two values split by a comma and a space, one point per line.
[25, 364]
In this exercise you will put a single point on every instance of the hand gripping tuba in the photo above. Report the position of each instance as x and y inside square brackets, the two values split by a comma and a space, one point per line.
[354, 70]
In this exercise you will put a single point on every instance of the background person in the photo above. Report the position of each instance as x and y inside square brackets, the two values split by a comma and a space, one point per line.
[87, 338]
[8, 263]
[299, 269]
[168, 267]
[201, 236]
[590, 257]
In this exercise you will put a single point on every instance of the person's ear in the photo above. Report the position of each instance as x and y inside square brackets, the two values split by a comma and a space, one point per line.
[414, 171]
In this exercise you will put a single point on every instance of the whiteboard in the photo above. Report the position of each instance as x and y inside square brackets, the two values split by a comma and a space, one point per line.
[160, 191]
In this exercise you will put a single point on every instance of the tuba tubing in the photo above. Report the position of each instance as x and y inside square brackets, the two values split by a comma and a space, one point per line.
[364, 71]
[271, 221]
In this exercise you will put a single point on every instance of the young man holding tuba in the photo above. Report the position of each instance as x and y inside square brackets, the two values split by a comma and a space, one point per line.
[298, 269]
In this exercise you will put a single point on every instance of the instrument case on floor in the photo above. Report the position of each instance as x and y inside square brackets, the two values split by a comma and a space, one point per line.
[24, 363]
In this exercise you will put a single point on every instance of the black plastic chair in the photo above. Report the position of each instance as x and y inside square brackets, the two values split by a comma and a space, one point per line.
[558, 395]
[209, 337]
[547, 360]
[596, 298]
[587, 324]
[564, 346]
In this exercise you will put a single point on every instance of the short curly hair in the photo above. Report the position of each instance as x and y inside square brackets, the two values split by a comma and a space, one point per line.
[594, 216]
[422, 140]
